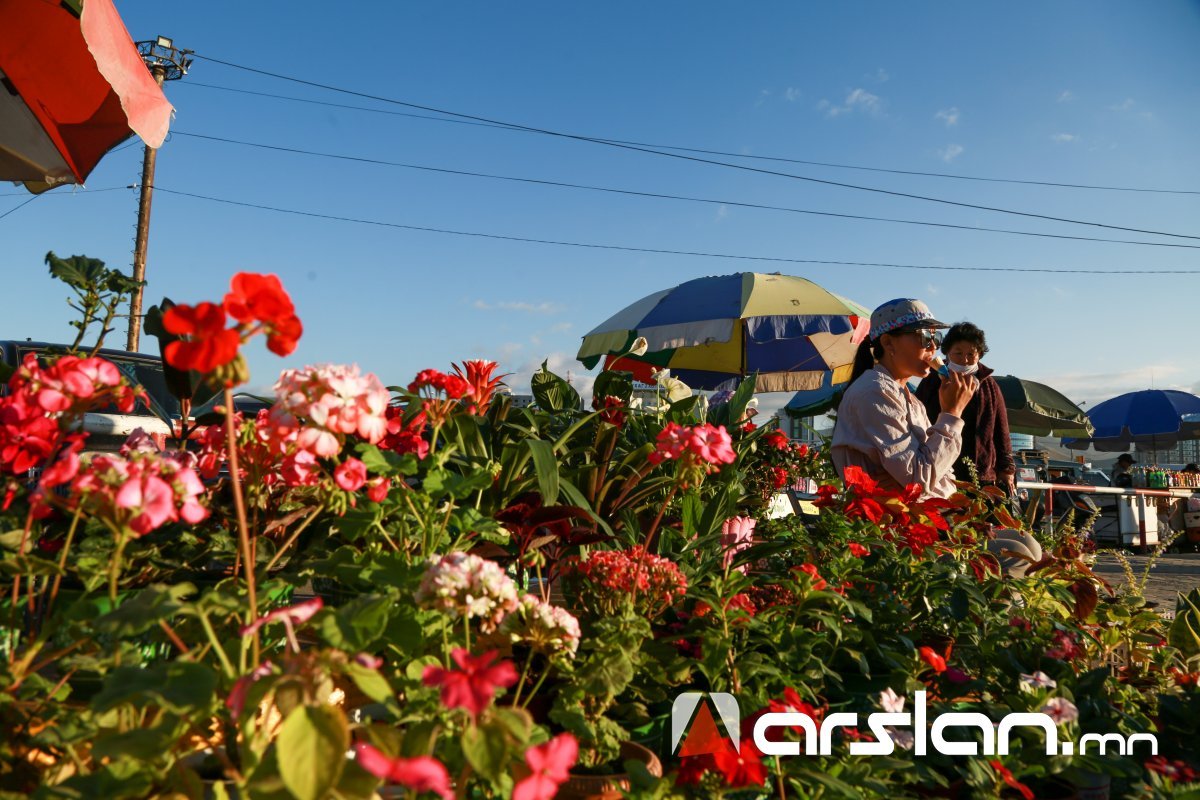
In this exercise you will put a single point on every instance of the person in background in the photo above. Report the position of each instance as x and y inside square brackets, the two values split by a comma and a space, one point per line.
[883, 429]
[985, 438]
[1122, 478]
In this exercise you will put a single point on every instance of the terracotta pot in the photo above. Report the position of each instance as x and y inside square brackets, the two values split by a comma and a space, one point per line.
[609, 787]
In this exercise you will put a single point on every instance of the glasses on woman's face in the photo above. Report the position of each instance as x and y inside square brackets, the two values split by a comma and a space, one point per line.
[930, 340]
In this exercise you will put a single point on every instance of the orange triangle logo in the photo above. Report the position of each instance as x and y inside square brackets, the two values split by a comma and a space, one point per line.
[703, 737]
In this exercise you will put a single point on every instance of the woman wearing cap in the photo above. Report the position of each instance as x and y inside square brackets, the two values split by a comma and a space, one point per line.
[985, 419]
[885, 430]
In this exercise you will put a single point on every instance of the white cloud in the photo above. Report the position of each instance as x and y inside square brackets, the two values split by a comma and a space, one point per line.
[1125, 105]
[879, 76]
[931, 289]
[561, 327]
[948, 115]
[1063, 138]
[950, 152]
[528, 308]
[722, 212]
[856, 100]
[791, 94]
[562, 364]
[1065, 96]
[763, 94]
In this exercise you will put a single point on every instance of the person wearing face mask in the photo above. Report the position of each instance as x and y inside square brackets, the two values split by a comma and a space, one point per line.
[881, 427]
[985, 433]
[884, 429]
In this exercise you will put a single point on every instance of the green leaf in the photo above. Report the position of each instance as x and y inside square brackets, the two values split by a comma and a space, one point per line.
[311, 750]
[358, 625]
[486, 749]
[614, 383]
[385, 462]
[552, 393]
[546, 466]
[741, 398]
[12, 539]
[178, 686]
[144, 610]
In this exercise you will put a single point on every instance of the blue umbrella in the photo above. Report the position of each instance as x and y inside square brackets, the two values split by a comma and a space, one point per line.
[1154, 418]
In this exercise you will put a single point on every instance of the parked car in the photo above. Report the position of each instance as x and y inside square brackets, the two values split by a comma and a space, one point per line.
[108, 428]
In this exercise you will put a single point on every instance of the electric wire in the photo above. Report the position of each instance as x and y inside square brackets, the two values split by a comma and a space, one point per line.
[697, 159]
[663, 251]
[705, 151]
[666, 196]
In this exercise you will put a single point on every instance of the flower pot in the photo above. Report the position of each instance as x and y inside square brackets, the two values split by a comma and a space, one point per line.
[1093, 786]
[609, 787]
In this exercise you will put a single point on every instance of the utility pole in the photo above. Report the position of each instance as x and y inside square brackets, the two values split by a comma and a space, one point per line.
[165, 64]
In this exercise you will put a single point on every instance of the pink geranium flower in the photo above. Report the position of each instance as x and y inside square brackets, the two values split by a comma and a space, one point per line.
[712, 444]
[237, 696]
[350, 475]
[474, 684]
[421, 774]
[152, 500]
[550, 765]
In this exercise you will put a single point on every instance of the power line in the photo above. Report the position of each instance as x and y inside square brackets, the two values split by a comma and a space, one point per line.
[79, 193]
[19, 206]
[664, 196]
[696, 159]
[724, 153]
[665, 251]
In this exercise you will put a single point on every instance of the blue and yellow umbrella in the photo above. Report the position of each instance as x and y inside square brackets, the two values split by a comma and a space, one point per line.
[794, 334]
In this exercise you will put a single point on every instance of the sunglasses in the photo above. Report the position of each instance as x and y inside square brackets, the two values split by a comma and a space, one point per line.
[930, 340]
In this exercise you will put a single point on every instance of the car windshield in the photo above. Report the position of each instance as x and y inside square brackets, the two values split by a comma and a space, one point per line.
[145, 372]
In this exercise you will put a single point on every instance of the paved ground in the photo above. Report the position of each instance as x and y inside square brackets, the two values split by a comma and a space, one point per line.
[1170, 574]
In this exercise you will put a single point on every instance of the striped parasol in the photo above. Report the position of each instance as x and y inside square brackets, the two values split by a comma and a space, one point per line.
[794, 334]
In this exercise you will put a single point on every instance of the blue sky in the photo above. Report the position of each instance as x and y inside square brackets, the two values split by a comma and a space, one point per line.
[1079, 92]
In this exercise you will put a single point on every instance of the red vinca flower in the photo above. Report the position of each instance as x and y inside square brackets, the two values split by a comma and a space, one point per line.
[421, 774]
[474, 684]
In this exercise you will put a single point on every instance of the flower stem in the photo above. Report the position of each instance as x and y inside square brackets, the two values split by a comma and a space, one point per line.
[216, 643]
[292, 539]
[114, 569]
[239, 506]
[658, 519]
[62, 560]
[524, 675]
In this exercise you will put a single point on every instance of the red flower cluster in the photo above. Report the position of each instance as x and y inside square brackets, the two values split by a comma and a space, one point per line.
[257, 303]
[930, 657]
[39, 397]
[439, 393]
[405, 435]
[613, 579]
[699, 450]
[905, 517]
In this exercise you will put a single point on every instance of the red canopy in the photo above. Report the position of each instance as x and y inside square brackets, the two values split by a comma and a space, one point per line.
[75, 88]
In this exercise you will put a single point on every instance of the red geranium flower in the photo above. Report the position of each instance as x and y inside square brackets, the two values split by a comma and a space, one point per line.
[857, 550]
[209, 344]
[818, 583]
[253, 297]
[473, 685]
[350, 475]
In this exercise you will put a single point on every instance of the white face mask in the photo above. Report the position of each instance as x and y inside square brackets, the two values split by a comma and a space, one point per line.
[963, 369]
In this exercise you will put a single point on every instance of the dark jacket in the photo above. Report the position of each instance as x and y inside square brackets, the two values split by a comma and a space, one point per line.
[985, 426]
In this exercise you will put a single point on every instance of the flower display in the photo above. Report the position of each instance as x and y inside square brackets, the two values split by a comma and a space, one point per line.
[333, 401]
[737, 534]
[142, 492]
[627, 579]
[419, 774]
[549, 766]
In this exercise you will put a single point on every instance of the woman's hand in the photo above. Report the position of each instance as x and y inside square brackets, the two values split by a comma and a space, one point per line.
[956, 391]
